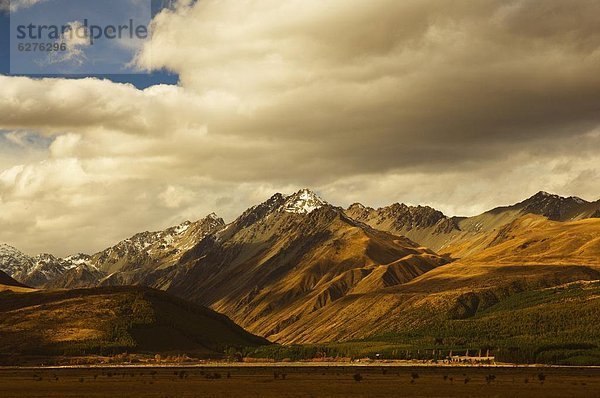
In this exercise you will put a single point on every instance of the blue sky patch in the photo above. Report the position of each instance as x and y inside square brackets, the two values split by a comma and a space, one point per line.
[80, 38]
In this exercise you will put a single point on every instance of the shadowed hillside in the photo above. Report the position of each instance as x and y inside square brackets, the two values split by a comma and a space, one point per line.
[8, 283]
[112, 320]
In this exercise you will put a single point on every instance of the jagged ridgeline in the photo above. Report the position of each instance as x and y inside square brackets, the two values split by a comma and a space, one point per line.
[296, 269]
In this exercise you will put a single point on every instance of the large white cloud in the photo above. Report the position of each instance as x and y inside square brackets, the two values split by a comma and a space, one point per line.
[462, 105]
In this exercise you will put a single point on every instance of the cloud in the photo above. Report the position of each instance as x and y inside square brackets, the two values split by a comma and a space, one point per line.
[174, 197]
[15, 5]
[52, 106]
[462, 105]
[430, 84]
[76, 40]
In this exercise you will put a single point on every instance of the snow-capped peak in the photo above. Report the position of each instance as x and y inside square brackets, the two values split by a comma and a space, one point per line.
[76, 260]
[12, 261]
[7, 249]
[303, 202]
[181, 228]
[213, 216]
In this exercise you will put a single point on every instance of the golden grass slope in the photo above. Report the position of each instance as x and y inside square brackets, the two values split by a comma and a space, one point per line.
[529, 254]
[269, 272]
[534, 239]
[451, 291]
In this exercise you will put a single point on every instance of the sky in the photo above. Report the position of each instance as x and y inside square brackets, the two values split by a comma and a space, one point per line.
[115, 66]
[462, 105]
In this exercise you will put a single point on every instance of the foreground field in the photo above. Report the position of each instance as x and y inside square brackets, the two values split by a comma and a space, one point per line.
[291, 381]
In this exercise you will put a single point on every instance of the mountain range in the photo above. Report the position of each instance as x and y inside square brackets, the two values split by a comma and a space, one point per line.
[126, 261]
[437, 231]
[296, 269]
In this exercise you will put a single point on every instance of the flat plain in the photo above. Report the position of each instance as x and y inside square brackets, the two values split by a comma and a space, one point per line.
[300, 381]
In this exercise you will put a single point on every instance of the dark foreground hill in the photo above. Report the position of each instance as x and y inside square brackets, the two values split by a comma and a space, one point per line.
[8, 283]
[113, 320]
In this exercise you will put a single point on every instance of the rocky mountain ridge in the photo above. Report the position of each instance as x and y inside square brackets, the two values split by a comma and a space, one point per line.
[132, 260]
[271, 267]
[146, 249]
[437, 231]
